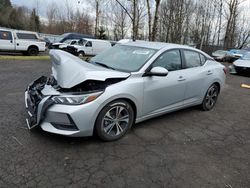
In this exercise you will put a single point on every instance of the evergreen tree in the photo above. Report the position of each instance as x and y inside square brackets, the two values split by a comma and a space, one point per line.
[101, 32]
[5, 9]
[34, 21]
[5, 4]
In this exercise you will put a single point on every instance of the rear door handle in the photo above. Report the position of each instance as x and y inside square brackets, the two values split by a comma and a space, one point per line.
[181, 78]
[209, 72]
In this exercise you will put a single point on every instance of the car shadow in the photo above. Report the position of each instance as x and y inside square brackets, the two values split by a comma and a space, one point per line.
[60, 139]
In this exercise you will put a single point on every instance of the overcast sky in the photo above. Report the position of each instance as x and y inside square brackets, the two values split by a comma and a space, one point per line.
[82, 5]
[41, 5]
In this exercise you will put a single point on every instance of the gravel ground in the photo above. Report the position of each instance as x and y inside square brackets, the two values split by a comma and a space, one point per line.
[189, 148]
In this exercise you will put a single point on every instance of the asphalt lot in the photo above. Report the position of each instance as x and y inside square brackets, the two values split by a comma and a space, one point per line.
[189, 148]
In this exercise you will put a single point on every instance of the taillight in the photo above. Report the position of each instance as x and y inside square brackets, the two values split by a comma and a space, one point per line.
[225, 70]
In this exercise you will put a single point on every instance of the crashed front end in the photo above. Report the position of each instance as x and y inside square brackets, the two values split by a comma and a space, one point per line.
[61, 111]
[39, 97]
[68, 102]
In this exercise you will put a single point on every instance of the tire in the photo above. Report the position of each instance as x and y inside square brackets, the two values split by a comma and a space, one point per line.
[32, 51]
[81, 54]
[210, 98]
[114, 120]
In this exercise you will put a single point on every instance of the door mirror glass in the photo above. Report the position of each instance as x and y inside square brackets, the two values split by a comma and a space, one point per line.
[158, 71]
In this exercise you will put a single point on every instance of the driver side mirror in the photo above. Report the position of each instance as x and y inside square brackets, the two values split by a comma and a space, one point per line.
[157, 71]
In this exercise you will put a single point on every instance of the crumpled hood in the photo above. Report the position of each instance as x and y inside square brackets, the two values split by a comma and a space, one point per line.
[70, 70]
[242, 63]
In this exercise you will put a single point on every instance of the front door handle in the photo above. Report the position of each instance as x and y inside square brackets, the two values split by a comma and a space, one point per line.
[209, 72]
[180, 79]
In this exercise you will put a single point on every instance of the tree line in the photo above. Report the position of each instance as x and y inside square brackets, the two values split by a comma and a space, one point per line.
[208, 22]
[18, 17]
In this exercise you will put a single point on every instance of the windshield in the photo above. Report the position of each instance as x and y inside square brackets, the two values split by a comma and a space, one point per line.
[246, 56]
[124, 58]
[68, 41]
[82, 42]
[220, 52]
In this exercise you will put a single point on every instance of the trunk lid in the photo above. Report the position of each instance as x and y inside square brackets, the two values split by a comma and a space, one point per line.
[70, 71]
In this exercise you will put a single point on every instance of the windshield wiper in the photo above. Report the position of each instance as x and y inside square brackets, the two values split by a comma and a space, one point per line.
[104, 65]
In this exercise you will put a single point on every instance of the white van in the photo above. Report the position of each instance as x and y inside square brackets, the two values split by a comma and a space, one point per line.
[26, 42]
[91, 46]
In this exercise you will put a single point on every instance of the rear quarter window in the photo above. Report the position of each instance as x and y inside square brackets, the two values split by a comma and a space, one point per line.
[26, 36]
[203, 59]
[5, 35]
[192, 59]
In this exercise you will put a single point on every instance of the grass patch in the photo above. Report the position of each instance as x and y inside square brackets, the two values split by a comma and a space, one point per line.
[24, 58]
[8, 57]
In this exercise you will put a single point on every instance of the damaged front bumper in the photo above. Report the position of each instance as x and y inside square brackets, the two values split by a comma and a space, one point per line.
[35, 102]
[68, 120]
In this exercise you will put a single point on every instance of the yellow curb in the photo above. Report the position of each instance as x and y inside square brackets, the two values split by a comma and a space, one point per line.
[245, 86]
[7, 57]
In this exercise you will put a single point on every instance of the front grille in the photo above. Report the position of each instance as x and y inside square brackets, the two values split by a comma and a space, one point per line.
[34, 91]
[33, 97]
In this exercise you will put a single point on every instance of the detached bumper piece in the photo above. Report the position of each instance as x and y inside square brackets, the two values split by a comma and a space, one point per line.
[242, 70]
[35, 103]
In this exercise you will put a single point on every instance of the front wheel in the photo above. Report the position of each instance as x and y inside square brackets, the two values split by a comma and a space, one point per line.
[210, 98]
[114, 120]
[81, 54]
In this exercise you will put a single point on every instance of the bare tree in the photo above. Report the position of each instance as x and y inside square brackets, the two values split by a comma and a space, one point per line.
[232, 16]
[119, 18]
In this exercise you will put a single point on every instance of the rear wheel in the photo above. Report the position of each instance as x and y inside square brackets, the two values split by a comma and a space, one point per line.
[32, 51]
[114, 120]
[210, 98]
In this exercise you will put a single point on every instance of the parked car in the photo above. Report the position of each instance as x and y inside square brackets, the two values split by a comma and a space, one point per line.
[89, 47]
[124, 85]
[241, 66]
[234, 54]
[26, 42]
[63, 45]
[219, 55]
[71, 36]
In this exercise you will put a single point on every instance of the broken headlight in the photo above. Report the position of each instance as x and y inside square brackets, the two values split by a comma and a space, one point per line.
[75, 99]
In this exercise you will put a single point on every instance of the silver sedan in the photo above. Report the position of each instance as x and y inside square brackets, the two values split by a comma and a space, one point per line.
[124, 85]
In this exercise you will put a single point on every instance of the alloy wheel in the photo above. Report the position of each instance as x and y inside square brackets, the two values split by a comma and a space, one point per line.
[115, 121]
[211, 96]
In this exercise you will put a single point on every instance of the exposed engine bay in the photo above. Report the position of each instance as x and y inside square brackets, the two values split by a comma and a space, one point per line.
[91, 86]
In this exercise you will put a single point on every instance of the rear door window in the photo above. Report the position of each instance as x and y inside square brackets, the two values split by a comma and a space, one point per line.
[192, 59]
[27, 36]
[5, 35]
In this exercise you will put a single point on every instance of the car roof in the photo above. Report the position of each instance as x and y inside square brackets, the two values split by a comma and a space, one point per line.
[18, 31]
[156, 45]
[88, 39]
